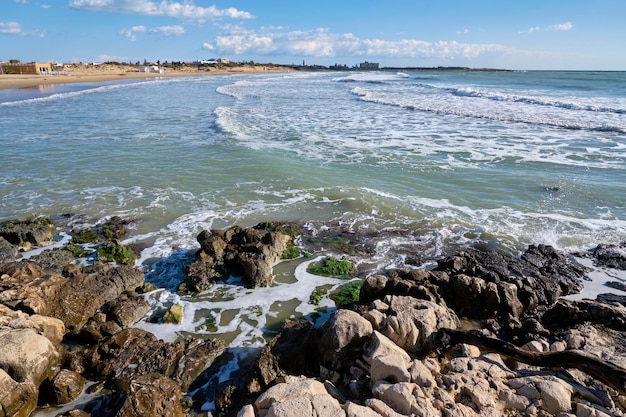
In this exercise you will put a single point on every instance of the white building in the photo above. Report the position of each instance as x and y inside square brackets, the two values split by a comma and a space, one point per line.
[152, 69]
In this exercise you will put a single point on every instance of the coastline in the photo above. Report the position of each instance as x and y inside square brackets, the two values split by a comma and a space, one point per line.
[105, 72]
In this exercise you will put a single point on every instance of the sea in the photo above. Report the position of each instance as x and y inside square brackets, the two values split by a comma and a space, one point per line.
[496, 159]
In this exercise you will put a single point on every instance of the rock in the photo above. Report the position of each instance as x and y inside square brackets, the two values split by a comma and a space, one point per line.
[379, 345]
[554, 393]
[127, 312]
[26, 360]
[133, 352]
[400, 396]
[53, 329]
[17, 399]
[152, 395]
[8, 252]
[293, 407]
[417, 316]
[292, 388]
[373, 287]
[569, 313]
[324, 405]
[249, 252]
[174, 315]
[391, 368]
[53, 261]
[584, 410]
[37, 232]
[72, 300]
[610, 256]
[421, 375]
[382, 408]
[65, 387]
[246, 411]
[355, 410]
[343, 330]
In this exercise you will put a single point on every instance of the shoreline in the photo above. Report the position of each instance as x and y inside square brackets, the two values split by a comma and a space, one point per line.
[105, 73]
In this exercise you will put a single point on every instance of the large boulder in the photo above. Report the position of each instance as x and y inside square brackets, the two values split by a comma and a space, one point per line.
[20, 233]
[134, 352]
[73, 298]
[249, 252]
[8, 252]
[611, 256]
[152, 395]
[342, 333]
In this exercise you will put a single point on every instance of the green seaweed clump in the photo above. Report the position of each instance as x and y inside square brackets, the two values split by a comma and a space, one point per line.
[291, 252]
[331, 267]
[316, 297]
[77, 251]
[115, 251]
[347, 294]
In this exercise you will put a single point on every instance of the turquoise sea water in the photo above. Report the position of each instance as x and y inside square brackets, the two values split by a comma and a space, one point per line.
[505, 159]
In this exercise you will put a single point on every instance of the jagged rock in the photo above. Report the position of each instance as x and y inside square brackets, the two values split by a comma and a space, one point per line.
[541, 274]
[569, 313]
[324, 405]
[399, 396]
[355, 410]
[610, 256]
[293, 387]
[249, 252]
[133, 352]
[152, 395]
[341, 332]
[378, 344]
[26, 360]
[129, 311]
[413, 322]
[65, 387]
[554, 393]
[420, 374]
[53, 261]
[382, 408]
[391, 368]
[8, 252]
[53, 329]
[73, 300]
[37, 232]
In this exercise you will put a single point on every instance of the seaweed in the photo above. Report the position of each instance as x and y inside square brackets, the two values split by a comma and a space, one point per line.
[331, 267]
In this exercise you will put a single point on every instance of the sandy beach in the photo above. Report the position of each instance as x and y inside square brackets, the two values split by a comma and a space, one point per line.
[81, 73]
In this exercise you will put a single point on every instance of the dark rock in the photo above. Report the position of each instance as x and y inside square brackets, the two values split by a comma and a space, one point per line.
[133, 352]
[65, 387]
[569, 313]
[610, 256]
[35, 231]
[249, 252]
[53, 261]
[616, 285]
[8, 252]
[152, 395]
[611, 299]
[127, 312]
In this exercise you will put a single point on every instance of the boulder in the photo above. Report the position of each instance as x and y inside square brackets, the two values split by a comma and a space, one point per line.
[341, 333]
[128, 311]
[134, 352]
[17, 399]
[65, 387]
[293, 407]
[610, 256]
[19, 233]
[412, 323]
[292, 388]
[8, 252]
[249, 252]
[53, 261]
[152, 395]
[391, 368]
[324, 405]
[378, 345]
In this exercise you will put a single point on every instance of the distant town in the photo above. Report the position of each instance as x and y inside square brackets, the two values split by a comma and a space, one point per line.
[14, 66]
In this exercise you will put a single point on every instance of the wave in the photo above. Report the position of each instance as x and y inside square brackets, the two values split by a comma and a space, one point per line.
[572, 117]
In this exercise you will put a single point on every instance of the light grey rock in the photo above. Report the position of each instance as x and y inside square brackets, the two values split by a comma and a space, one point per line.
[325, 405]
[391, 367]
[293, 387]
[355, 410]
[293, 407]
[378, 344]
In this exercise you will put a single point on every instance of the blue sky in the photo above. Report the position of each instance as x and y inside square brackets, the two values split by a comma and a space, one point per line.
[514, 34]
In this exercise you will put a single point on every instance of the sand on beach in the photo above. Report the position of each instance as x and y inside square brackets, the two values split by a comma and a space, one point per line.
[80, 73]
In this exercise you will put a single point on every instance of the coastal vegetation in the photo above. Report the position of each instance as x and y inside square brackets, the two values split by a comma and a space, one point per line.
[331, 267]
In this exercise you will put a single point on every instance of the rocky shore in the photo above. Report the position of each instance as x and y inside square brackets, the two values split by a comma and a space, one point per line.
[479, 334]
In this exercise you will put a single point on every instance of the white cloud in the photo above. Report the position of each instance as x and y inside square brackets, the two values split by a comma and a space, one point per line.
[46, 6]
[10, 28]
[562, 26]
[186, 10]
[169, 30]
[130, 33]
[554, 28]
[321, 43]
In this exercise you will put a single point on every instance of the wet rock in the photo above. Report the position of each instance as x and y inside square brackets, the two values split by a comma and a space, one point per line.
[152, 395]
[53, 261]
[8, 252]
[249, 252]
[173, 315]
[133, 352]
[128, 311]
[610, 256]
[35, 231]
[65, 387]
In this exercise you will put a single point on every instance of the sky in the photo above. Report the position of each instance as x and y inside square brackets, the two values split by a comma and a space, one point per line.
[509, 34]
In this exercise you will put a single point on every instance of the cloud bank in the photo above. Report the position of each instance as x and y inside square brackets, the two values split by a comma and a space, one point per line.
[186, 10]
[322, 43]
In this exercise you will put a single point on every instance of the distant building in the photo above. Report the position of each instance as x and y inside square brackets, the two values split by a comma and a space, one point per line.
[34, 68]
[369, 65]
[152, 69]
